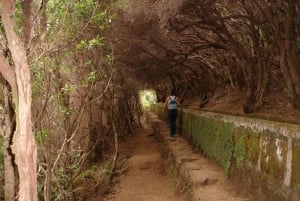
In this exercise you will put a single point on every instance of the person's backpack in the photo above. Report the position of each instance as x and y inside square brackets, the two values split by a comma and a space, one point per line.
[172, 103]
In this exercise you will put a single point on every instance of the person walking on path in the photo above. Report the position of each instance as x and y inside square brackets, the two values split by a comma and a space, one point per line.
[171, 104]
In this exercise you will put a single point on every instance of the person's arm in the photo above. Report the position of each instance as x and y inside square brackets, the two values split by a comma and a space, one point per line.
[166, 104]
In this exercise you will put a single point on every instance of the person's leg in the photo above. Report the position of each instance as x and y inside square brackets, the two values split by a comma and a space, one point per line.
[170, 122]
[174, 123]
[173, 116]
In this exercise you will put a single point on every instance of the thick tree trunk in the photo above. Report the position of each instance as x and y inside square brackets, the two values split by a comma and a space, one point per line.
[24, 146]
[9, 166]
[9, 75]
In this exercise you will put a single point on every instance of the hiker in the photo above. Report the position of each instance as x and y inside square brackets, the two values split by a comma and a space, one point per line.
[171, 103]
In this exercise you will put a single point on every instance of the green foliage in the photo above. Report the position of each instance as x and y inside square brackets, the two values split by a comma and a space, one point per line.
[45, 134]
[88, 44]
[38, 77]
[63, 186]
[18, 14]
[64, 111]
[106, 169]
[109, 59]
[72, 16]
[66, 89]
[63, 182]
[86, 173]
[92, 76]
[70, 68]
[83, 8]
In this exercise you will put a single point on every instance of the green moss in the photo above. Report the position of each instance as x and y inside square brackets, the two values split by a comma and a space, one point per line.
[296, 163]
[253, 149]
[214, 139]
[239, 148]
[272, 155]
[186, 121]
[224, 145]
[230, 145]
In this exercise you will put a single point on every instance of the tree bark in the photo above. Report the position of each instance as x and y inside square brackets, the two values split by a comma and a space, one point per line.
[286, 37]
[26, 8]
[9, 166]
[24, 146]
[290, 71]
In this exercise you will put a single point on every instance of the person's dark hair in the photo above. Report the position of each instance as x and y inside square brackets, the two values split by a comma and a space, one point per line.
[173, 92]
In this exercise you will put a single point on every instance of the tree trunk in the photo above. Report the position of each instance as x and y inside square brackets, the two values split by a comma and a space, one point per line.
[48, 178]
[115, 158]
[286, 37]
[290, 72]
[9, 166]
[294, 68]
[260, 85]
[24, 146]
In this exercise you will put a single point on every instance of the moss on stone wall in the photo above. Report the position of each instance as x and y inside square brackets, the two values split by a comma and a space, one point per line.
[245, 144]
[296, 163]
[272, 155]
[240, 146]
[186, 123]
[213, 138]
[252, 149]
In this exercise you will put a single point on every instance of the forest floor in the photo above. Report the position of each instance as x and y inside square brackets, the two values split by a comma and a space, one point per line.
[151, 177]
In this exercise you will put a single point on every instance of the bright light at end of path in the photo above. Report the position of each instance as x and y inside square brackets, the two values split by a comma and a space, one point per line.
[147, 98]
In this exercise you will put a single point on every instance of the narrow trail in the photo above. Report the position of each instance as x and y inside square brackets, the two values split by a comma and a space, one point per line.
[145, 180]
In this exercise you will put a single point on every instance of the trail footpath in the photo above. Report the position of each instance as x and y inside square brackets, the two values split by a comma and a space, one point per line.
[148, 178]
[144, 180]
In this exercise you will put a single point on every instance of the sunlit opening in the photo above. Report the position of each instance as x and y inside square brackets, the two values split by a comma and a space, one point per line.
[147, 98]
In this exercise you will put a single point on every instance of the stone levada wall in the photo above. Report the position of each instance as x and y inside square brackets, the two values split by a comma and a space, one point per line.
[264, 150]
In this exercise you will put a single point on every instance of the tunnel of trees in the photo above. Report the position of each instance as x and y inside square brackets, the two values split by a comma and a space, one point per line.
[71, 72]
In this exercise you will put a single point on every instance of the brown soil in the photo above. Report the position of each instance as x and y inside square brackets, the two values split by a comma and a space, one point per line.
[145, 179]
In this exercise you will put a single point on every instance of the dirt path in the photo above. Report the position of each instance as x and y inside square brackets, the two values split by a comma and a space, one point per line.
[144, 181]
[147, 181]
